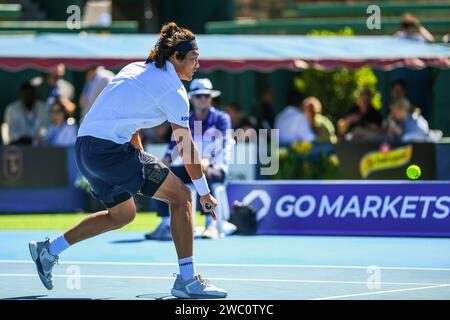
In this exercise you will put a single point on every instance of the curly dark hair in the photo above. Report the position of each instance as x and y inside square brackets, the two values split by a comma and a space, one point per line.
[171, 35]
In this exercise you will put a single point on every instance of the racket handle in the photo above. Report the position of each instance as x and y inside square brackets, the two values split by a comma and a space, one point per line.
[213, 214]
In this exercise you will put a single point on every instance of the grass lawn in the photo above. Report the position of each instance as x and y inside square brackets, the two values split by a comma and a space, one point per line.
[145, 221]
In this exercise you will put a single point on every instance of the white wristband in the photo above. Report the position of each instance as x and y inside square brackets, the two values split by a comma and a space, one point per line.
[201, 186]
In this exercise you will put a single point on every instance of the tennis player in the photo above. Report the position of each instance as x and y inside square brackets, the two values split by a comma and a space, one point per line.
[110, 155]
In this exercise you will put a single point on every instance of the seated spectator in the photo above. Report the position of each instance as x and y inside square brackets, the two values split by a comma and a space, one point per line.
[26, 117]
[411, 28]
[62, 131]
[97, 77]
[405, 125]
[248, 127]
[247, 123]
[55, 87]
[236, 114]
[263, 112]
[322, 126]
[216, 102]
[446, 38]
[398, 90]
[292, 122]
[362, 122]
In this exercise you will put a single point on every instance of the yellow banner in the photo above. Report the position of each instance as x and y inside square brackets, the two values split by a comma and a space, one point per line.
[377, 160]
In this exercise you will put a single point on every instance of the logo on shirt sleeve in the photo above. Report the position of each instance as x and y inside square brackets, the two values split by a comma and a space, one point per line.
[186, 118]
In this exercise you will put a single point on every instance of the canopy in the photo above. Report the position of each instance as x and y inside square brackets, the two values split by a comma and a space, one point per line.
[225, 52]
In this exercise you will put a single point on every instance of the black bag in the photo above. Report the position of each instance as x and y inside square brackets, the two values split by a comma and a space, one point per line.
[244, 218]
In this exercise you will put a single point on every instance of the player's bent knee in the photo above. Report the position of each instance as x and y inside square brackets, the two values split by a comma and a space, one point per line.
[129, 217]
[187, 195]
[180, 193]
[124, 218]
[123, 214]
[182, 200]
[184, 195]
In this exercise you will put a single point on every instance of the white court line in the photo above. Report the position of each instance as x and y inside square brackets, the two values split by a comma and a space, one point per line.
[225, 279]
[383, 292]
[232, 265]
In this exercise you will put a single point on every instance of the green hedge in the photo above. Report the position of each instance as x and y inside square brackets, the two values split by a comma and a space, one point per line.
[336, 89]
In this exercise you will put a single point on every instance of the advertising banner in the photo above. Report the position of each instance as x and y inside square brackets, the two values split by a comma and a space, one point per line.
[382, 208]
[385, 161]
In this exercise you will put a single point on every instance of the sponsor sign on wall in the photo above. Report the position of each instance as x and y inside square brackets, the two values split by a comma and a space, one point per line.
[347, 207]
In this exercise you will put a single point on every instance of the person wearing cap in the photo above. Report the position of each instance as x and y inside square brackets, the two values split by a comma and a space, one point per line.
[209, 129]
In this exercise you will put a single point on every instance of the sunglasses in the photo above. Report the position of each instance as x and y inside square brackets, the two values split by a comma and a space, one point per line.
[199, 96]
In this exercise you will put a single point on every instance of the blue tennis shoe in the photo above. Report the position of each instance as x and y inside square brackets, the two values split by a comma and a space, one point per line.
[44, 261]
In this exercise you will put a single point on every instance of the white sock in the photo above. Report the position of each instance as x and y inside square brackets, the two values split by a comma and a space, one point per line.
[187, 268]
[58, 245]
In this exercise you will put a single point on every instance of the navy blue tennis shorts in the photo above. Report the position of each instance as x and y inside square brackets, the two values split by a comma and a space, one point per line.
[116, 172]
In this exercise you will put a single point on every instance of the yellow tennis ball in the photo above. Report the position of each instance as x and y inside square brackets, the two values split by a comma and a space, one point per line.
[413, 172]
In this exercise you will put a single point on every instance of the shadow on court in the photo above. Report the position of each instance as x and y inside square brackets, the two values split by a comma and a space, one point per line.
[125, 241]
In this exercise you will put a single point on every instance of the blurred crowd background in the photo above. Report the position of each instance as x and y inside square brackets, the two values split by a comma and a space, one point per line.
[45, 107]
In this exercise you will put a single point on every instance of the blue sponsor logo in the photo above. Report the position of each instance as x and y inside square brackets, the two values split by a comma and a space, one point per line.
[347, 207]
[366, 207]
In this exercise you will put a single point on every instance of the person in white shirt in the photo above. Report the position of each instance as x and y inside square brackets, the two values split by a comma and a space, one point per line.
[110, 155]
[292, 122]
[27, 117]
[97, 78]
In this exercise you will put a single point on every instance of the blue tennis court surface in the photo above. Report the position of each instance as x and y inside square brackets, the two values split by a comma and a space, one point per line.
[121, 265]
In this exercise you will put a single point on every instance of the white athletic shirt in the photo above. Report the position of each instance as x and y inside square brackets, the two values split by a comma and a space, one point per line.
[293, 126]
[139, 96]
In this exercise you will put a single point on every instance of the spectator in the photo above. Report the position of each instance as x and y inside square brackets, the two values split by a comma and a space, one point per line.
[216, 152]
[266, 117]
[62, 131]
[446, 38]
[322, 126]
[97, 77]
[235, 113]
[398, 90]
[406, 126]
[362, 122]
[55, 87]
[26, 117]
[216, 102]
[292, 122]
[411, 28]
[246, 130]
